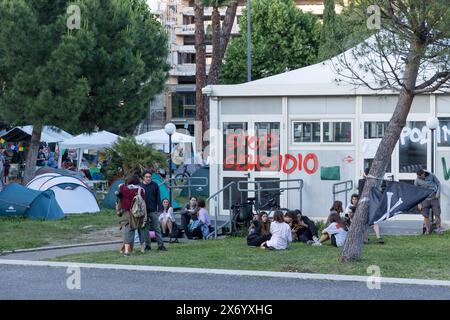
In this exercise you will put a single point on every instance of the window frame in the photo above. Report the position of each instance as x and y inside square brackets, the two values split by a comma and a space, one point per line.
[322, 142]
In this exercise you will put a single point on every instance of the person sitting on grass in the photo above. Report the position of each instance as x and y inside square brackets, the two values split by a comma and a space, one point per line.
[259, 230]
[336, 208]
[281, 233]
[336, 231]
[349, 216]
[189, 213]
[353, 203]
[166, 218]
[200, 226]
[307, 231]
[291, 219]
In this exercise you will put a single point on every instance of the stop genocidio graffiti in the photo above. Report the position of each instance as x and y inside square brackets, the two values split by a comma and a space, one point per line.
[237, 159]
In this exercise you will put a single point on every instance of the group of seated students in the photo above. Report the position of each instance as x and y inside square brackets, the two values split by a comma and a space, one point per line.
[293, 226]
[195, 219]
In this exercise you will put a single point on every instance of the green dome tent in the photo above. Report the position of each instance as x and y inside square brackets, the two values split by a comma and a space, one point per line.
[110, 199]
[17, 200]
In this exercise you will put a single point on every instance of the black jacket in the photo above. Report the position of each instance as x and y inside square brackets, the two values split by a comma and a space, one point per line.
[152, 197]
[361, 183]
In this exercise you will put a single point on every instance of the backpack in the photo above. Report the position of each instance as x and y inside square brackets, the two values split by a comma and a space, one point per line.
[176, 232]
[138, 207]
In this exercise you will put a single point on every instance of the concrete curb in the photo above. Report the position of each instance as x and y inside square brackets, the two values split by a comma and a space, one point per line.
[68, 246]
[250, 273]
[77, 245]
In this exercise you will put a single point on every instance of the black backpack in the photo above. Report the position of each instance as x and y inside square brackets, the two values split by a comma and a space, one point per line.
[176, 232]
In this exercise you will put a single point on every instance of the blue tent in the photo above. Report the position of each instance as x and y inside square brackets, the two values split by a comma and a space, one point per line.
[110, 198]
[17, 200]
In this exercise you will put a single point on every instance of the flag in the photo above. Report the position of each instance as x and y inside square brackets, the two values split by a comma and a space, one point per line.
[397, 198]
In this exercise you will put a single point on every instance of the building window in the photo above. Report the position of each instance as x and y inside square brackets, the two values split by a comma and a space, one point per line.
[322, 132]
[186, 58]
[306, 132]
[235, 146]
[374, 130]
[267, 146]
[443, 134]
[413, 153]
[183, 105]
[337, 132]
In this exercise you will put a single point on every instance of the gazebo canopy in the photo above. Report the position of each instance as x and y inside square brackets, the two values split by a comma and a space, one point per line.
[50, 134]
[161, 137]
[94, 141]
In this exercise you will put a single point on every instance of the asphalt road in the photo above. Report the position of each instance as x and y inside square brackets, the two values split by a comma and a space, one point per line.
[36, 282]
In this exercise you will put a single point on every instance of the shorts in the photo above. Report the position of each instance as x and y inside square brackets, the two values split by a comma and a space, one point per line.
[433, 205]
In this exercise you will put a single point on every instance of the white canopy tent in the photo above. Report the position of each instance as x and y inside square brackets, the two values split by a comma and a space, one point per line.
[160, 139]
[50, 134]
[94, 141]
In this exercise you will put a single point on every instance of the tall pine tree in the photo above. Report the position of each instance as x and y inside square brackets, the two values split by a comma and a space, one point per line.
[329, 35]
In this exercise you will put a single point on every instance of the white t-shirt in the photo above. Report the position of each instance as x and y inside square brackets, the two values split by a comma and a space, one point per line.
[167, 215]
[348, 208]
[281, 235]
[339, 233]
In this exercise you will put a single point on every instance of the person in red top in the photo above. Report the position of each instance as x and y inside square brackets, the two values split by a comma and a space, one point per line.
[128, 223]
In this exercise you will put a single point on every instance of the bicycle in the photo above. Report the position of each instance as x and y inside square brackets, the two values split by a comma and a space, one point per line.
[270, 205]
[243, 213]
[181, 178]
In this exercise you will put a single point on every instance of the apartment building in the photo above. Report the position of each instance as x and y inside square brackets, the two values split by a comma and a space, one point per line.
[177, 102]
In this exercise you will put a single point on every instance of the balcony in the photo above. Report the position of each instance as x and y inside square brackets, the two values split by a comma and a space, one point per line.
[191, 49]
[189, 29]
[185, 30]
[185, 70]
[189, 11]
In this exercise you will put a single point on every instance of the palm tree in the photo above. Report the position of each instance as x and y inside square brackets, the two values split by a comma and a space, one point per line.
[126, 157]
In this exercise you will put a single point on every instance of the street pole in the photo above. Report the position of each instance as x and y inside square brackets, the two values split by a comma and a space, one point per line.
[432, 150]
[432, 171]
[170, 170]
[249, 55]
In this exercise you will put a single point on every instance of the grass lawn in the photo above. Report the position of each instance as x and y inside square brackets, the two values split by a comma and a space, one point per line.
[423, 257]
[20, 233]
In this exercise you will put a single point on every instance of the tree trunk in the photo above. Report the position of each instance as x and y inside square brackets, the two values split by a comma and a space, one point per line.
[200, 70]
[353, 244]
[221, 37]
[30, 164]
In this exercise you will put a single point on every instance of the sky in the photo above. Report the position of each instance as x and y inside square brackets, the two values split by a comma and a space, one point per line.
[153, 4]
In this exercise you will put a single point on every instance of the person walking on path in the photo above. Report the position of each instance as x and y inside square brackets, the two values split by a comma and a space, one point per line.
[153, 202]
[129, 224]
[428, 180]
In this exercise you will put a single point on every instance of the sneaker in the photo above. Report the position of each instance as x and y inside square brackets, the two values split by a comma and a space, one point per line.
[310, 242]
[317, 244]
[380, 241]
[440, 230]
[162, 248]
[126, 254]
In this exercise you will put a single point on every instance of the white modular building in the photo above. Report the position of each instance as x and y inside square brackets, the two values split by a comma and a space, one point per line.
[321, 131]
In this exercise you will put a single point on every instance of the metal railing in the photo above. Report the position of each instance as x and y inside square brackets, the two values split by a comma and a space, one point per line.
[348, 187]
[216, 197]
[258, 189]
[189, 185]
